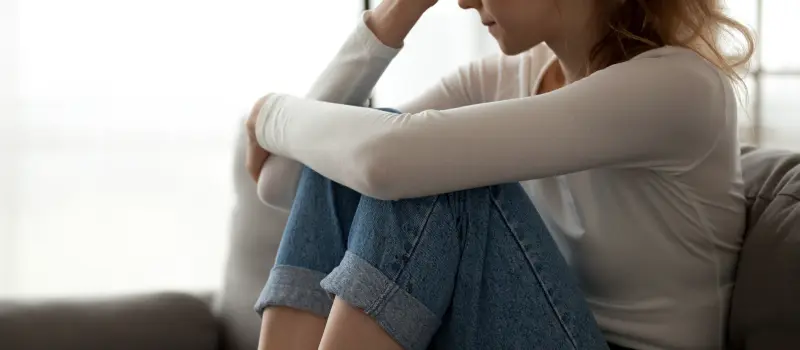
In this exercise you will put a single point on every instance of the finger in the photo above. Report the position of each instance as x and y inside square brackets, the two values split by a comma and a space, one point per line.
[253, 169]
[256, 157]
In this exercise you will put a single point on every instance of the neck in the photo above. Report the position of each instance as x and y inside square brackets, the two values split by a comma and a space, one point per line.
[574, 47]
[573, 57]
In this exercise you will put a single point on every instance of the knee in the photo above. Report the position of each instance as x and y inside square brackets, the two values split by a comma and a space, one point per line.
[275, 189]
[277, 184]
[313, 183]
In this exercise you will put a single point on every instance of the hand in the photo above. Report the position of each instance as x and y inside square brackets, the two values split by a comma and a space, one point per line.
[255, 155]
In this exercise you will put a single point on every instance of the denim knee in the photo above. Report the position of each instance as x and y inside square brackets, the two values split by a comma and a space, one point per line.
[313, 244]
[401, 264]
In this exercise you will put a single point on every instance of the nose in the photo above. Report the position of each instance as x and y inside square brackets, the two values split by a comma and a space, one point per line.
[469, 4]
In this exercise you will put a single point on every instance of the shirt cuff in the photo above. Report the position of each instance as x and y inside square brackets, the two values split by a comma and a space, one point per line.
[371, 43]
[265, 131]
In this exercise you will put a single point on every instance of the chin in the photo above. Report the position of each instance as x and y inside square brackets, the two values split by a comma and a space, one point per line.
[513, 49]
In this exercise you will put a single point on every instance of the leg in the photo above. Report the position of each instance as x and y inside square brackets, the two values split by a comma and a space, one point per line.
[352, 329]
[287, 328]
[514, 290]
[293, 305]
[468, 270]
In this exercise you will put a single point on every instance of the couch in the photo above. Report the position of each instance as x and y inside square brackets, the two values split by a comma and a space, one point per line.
[764, 311]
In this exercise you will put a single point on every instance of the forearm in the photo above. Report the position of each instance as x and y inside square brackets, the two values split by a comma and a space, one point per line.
[348, 79]
[357, 67]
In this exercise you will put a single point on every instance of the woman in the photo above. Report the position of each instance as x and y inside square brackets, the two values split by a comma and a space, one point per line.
[618, 117]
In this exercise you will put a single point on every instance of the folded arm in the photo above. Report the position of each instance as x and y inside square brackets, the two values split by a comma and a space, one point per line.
[349, 79]
[658, 113]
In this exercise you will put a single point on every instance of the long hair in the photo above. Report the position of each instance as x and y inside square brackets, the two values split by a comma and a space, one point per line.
[635, 26]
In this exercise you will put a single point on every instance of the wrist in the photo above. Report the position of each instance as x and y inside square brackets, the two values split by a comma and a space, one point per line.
[259, 116]
[392, 20]
[416, 7]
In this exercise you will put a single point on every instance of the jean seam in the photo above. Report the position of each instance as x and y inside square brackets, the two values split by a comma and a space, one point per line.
[550, 300]
[386, 295]
[331, 202]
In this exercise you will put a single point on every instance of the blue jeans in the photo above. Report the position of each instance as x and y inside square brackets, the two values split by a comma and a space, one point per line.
[474, 269]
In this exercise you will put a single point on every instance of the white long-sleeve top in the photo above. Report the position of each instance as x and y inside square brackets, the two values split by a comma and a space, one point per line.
[635, 169]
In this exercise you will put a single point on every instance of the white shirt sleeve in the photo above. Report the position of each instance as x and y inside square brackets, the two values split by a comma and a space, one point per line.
[658, 112]
[349, 79]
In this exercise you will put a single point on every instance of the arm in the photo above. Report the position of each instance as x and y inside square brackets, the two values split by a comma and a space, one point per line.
[350, 78]
[654, 112]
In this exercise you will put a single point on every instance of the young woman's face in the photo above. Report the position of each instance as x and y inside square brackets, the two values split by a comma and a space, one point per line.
[519, 25]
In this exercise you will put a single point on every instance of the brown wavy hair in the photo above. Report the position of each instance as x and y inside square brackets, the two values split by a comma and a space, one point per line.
[636, 26]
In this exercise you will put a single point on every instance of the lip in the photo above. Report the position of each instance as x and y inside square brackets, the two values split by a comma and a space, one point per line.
[492, 27]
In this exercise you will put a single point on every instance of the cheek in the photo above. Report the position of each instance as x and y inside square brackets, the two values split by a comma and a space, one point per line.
[534, 21]
[529, 15]
[522, 30]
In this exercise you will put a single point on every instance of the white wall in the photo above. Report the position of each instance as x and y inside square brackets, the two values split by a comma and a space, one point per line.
[125, 130]
[9, 46]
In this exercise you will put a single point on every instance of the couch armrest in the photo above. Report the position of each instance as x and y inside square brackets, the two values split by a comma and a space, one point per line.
[153, 322]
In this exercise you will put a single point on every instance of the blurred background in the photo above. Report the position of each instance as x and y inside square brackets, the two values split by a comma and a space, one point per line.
[118, 120]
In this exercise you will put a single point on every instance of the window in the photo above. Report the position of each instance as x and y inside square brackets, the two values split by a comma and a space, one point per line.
[776, 75]
[772, 114]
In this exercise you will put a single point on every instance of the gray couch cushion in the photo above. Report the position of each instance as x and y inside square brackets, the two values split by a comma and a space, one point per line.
[155, 322]
[765, 311]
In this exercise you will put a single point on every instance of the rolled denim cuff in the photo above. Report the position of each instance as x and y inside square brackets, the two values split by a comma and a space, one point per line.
[400, 314]
[297, 288]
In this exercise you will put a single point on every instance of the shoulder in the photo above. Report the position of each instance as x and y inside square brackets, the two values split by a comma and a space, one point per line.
[686, 60]
[687, 95]
[679, 80]
[675, 67]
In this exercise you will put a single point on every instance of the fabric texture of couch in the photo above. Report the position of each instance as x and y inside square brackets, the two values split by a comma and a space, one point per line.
[765, 310]
[153, 322]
